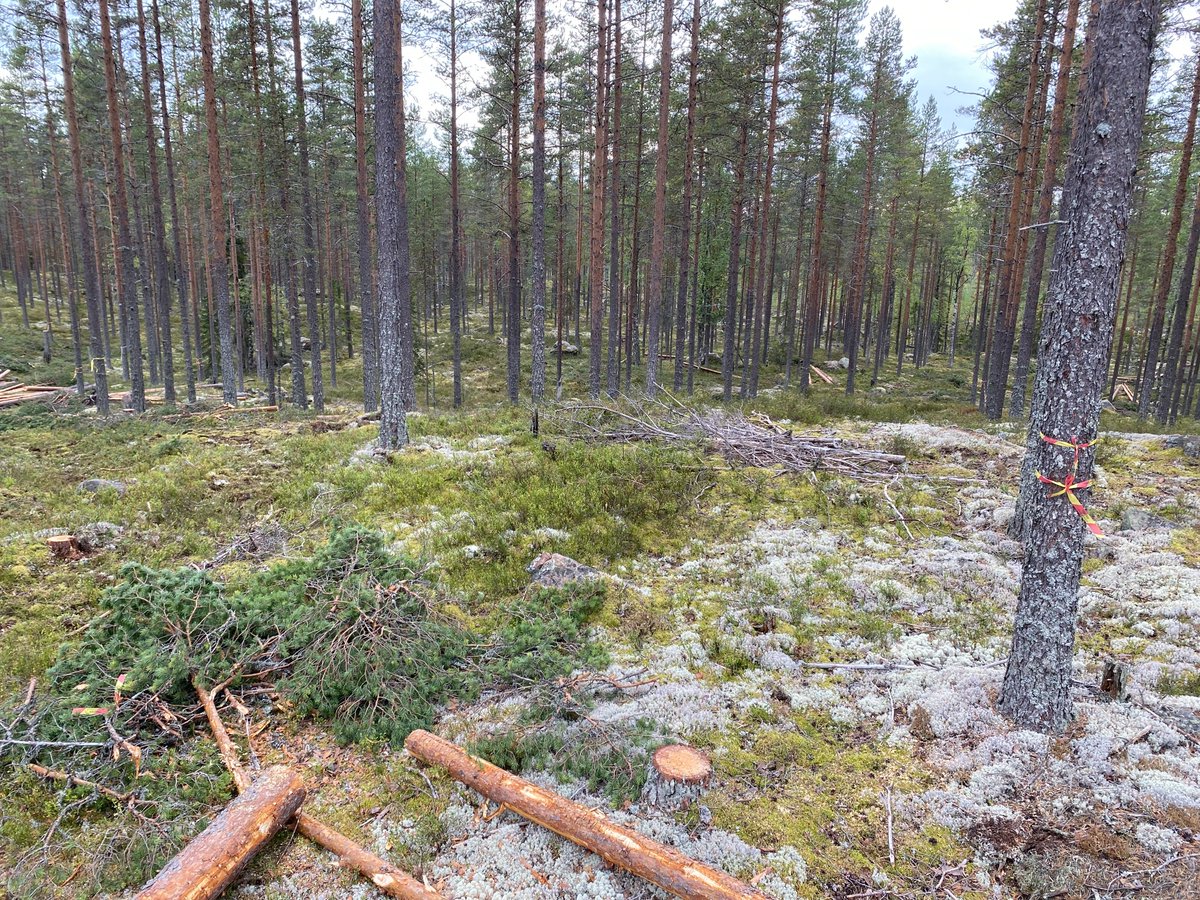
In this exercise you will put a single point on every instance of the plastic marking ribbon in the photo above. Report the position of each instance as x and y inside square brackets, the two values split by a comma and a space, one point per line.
[1069, 485]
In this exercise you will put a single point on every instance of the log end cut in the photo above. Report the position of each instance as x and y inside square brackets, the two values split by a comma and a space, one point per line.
[679, 762]
[677, 776]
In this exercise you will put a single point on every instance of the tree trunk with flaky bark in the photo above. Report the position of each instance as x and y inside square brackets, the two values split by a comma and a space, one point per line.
[654, 290]
[391, 213]
[217, 262]
[689, 149]
[1000, 354]
[306, 214]
[181, 273]
[537, 322]
[513, 321]
[1033, 284]
[366, 293]
[596, 237]
[456, 250]
[1074, 347]
[1150, 365]
[162, 288]
[123, 235]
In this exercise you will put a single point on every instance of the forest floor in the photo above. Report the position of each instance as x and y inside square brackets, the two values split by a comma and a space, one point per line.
[892, 778]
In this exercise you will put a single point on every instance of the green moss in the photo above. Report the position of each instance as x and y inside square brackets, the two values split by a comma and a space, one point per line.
[806, 786]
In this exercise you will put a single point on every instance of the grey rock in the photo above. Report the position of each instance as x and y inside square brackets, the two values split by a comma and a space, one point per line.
[1002, 516]
[844, 362]
[367, 455]
[95, 485]
[1134, 519]
[1188, 443]
[556, 570]
[569, 349]
[98, 536]
[1106, 406]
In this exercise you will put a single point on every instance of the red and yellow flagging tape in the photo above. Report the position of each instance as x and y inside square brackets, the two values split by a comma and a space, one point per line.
[1068, 486]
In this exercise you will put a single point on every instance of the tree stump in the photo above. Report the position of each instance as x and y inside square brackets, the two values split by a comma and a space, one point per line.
[678, 774]
[63, 546]
[1114, 680]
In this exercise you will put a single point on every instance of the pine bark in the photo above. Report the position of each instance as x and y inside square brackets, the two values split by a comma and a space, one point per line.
[217, 262]
[1074, 347]
[391, 212]
[307, 219]
[97, 363]
[1150, 366]
[513, 320]
[537, 323]
[1000, 356]
[123, 253]
[654, 289]
[366, 293]
[682, 312]
[596, 236]
[1033, 284]
[457, 276]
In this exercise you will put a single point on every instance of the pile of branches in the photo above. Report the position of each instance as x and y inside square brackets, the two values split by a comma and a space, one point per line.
[744, 441]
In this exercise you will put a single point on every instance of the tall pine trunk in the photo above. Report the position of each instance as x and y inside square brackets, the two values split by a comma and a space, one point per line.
[91, 276]
[120, 203]
[654, 289]
[391, 204]
[1033, 284]
[306, 215]
[537, 324]
[1074, 347]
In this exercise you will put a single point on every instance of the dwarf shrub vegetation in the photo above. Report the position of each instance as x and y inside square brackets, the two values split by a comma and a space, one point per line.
[353, 634]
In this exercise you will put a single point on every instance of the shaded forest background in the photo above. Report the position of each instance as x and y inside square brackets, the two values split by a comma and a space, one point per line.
[762, 190]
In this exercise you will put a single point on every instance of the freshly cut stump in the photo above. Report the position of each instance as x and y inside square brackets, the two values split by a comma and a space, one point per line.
[677, 775]
[64, 546]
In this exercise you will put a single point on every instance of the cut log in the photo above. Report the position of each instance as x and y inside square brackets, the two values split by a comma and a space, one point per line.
[589, 828]
[676, 777]
[210, 861]
[392, 881]
[63, 546]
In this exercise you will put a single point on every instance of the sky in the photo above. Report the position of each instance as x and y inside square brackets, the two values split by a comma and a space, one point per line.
[951, 57]
[942, 34]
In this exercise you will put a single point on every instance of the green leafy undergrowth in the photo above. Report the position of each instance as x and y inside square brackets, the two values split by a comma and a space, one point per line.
[354, 634]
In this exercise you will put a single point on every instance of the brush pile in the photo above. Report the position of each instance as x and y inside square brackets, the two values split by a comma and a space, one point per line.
[754, 441]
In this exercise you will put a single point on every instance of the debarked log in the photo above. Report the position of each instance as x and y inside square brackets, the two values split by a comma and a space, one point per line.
[589, 828]
[212, 859]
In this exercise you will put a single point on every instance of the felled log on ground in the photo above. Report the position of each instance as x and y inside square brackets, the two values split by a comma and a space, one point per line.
[210, 861]
[661, 865]
[392, 881]
[676, 777]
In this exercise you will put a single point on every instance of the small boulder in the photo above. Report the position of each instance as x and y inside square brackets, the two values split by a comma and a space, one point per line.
[1188, 443]
[555, 570]
[1134, 519]
[1106, 406]
[569, 349]
[95, 485]
[1002, 516]
[97, 536]
[844, 362]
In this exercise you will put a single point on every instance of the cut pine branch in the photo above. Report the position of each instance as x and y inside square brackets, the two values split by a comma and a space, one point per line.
[589, 828]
